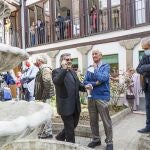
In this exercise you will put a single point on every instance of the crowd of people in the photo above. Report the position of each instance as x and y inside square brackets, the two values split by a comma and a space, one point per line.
[38, 30]
[39, 82]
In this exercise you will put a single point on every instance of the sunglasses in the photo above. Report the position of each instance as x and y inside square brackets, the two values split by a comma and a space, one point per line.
[68, 59]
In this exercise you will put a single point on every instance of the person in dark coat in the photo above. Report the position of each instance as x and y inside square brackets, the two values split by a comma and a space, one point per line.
[67, 87]
[59, 23]
[144, 70]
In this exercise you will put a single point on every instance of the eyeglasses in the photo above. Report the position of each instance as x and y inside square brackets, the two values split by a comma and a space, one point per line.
[68, 59]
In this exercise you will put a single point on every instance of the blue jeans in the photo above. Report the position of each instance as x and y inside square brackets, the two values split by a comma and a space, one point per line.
[32, 39]
[147, 100]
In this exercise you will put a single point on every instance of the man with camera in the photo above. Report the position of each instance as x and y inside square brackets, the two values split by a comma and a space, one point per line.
[67, 87]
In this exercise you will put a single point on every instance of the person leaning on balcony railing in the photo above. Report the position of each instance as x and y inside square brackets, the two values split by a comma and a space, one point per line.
[68, 25]
[32, 34]
[97, 77]
[144, 70]
[93, 19]
[59, 23]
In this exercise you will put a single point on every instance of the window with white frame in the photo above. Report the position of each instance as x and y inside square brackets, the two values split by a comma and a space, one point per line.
[140, 10]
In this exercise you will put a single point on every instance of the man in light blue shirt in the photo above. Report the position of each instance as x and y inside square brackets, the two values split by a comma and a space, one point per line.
[28, 80]
[97, 80]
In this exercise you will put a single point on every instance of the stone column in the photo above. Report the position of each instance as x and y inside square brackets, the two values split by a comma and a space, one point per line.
[129, 46]
[52, 55]
[84, 51]
[23, 23]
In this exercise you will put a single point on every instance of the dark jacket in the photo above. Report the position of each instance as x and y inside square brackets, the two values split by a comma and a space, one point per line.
[9, 79]
[144, 70]
[66, 104]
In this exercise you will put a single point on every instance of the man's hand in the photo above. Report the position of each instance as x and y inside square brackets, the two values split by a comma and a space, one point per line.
[95, 65]
[97, 83]
[89, 86]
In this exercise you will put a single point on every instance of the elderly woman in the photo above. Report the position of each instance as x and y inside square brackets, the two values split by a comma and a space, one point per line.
[134, 87]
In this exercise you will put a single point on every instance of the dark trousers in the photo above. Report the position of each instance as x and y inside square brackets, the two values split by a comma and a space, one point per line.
[147, 100]
[70, 123]
[28, 96]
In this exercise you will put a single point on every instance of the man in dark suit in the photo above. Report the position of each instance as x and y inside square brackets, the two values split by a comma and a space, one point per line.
[67, 87]
[144, 69]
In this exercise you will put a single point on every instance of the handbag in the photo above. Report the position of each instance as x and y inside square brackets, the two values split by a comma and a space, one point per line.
[7, 94]
[129, 94]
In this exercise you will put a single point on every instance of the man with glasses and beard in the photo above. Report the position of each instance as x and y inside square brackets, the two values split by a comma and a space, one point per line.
[67, 87]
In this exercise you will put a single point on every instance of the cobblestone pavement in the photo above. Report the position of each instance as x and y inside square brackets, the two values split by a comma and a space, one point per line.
[125, 133]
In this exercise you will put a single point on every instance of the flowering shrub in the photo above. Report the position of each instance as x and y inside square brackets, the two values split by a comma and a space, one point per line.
[117, 88]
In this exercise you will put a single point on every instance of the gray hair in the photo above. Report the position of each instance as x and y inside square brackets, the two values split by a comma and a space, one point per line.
[42, 58]
[63, 56]
[145, 42]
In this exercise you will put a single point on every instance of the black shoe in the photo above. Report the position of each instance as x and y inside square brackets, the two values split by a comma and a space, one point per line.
[93, 144]
[144, 130]
[109, 147]
[45, 136]
[59, 138]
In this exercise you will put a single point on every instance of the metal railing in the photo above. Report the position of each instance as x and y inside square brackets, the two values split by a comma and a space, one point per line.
[11, 37]
[90, 23]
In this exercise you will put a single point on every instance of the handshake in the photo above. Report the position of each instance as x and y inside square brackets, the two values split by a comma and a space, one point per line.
[89, 88]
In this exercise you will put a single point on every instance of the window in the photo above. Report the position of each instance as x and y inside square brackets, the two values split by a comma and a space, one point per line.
[115, 12]
[112, 60]
[75, 64]
[76, 18]
[1, 31]
[63, 19]
[103, 15]
[141, 53]
[47, 21]
[31, 16]
[39, 13]
[140, 11]
[46, 8]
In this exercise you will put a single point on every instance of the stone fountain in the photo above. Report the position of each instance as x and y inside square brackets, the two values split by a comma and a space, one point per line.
[18, 119]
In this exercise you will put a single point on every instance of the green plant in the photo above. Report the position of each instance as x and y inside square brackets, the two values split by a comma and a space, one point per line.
[116, 89]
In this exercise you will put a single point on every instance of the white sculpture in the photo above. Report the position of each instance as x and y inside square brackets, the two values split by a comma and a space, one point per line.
[19, 118]
[10, 57]
[4, 10]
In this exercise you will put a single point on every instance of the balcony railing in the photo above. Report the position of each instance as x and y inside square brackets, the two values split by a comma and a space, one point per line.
[90, 23]
[11, 37]
[74, 28]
